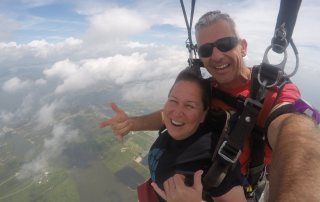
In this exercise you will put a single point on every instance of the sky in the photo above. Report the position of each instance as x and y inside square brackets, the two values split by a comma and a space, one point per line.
[55, 51]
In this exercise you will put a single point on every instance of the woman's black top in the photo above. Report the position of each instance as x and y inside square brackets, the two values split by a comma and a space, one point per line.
[168, 156]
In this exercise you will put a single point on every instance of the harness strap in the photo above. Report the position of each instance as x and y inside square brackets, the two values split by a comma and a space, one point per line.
[236, 102]
[258, 144]
[230, 150]
[253, 112]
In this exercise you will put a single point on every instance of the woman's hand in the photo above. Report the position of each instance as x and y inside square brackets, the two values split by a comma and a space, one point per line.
[175, 189]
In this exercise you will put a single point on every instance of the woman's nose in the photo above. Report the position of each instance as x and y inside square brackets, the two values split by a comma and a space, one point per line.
[178, 110]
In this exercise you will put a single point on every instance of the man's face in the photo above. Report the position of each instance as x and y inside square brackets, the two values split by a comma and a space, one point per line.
[225, 66]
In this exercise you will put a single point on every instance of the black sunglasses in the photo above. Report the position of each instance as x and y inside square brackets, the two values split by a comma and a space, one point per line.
[224, 44]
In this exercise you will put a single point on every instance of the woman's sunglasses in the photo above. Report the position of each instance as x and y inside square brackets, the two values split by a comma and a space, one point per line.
[224, 44]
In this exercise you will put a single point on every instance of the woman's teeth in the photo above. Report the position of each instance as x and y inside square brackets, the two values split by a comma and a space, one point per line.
[176, 123]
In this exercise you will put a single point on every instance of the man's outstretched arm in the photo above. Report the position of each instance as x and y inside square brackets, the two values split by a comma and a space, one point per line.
[295, 168]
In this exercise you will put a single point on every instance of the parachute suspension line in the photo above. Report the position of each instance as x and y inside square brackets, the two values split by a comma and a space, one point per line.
[194, 63]
[189, 43]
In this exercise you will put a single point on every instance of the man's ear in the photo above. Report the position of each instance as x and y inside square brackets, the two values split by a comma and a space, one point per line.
[243, 45]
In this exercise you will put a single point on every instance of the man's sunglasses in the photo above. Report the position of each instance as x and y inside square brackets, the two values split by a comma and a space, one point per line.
[224, 44]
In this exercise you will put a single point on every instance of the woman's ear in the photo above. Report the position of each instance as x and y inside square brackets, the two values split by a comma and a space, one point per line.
[162, 116]
[204, 116]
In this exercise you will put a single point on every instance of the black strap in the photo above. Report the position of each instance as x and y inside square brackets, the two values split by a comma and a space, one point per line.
[236, 102]
[284, 109]
[286, 21]
[256, 164]
[230, 150]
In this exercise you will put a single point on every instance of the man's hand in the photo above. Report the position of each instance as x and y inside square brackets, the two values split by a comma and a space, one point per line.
[176, 191]
[120, 123]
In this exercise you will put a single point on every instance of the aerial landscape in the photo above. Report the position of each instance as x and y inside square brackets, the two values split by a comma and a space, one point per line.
[63, 62]
[93, 167]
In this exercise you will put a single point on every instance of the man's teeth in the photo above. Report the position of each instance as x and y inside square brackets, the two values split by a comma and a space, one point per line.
[221, 66]
[176, 123]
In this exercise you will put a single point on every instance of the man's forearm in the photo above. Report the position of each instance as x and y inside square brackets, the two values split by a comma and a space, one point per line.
[151, 121]
[295, 168]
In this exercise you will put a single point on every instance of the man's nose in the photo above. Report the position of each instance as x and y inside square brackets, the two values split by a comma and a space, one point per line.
[216, 54]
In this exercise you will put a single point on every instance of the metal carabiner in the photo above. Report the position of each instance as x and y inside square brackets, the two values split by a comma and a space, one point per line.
[280, 66]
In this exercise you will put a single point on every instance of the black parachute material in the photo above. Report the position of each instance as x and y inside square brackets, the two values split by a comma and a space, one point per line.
[286, 21]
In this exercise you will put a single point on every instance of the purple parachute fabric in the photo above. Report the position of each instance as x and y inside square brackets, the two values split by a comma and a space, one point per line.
[304, 107]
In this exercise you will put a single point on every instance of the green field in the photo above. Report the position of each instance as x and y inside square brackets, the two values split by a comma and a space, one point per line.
[96, 167]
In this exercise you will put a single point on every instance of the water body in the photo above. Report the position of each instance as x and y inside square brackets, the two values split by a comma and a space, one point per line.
[129, 177]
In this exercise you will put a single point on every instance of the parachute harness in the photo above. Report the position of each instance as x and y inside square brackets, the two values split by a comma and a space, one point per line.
[267, 77]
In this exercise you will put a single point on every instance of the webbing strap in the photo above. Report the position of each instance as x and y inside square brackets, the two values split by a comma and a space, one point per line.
[236, 102]
[251, 122]
[258, 143]
[230, 150]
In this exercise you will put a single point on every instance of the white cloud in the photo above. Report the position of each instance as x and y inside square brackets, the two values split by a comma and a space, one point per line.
[62, 69]
[37, 53]
[45, 116]
[53, 146]
[40, 82]
[117, 69]
[6, 117]
[15, 84]
[43, 49]
[115, 24]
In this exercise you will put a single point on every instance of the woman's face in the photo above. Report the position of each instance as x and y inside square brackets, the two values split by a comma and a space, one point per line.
[184, 110]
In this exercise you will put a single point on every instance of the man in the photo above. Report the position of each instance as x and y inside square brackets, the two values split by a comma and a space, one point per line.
[221, 50]
[296, 152]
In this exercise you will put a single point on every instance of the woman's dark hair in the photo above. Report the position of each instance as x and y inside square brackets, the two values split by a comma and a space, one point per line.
[204, 85]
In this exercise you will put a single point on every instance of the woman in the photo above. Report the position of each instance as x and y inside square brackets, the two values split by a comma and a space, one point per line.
[187, 141]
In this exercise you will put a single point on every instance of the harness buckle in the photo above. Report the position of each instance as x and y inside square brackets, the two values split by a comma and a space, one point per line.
[253, 102]
[229, 153]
